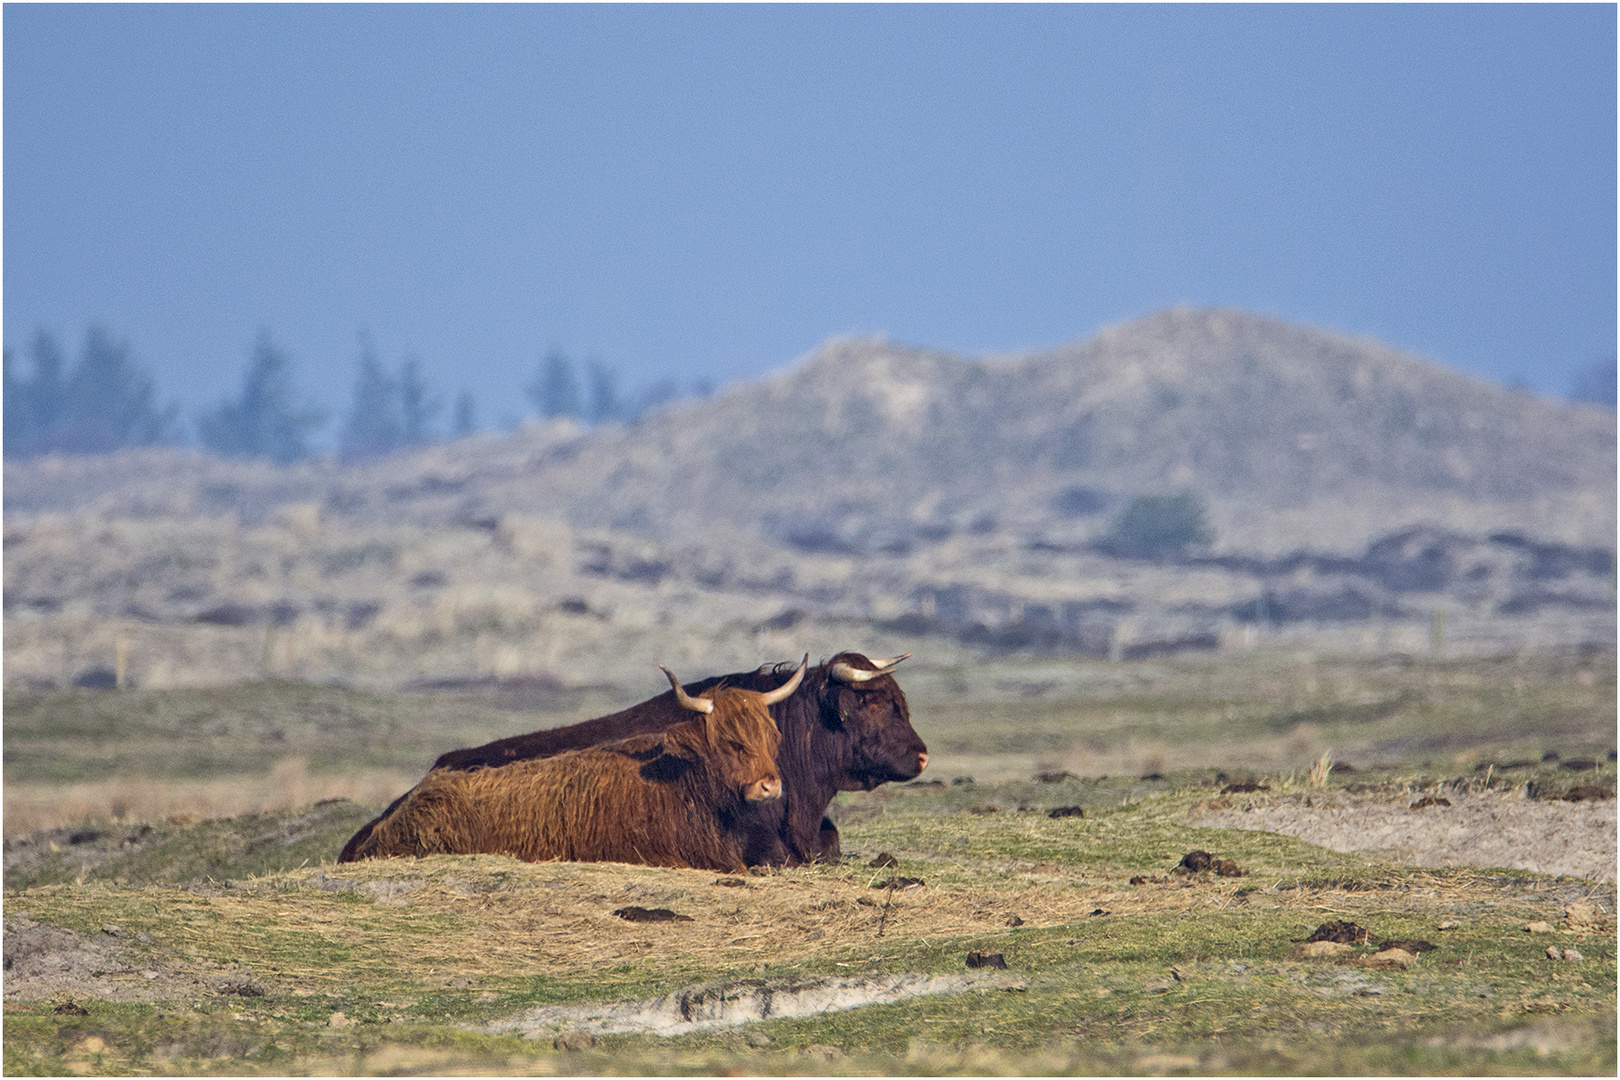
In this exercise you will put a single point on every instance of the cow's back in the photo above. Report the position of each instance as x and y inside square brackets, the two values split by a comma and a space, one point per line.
[647, 718]
[589, 805]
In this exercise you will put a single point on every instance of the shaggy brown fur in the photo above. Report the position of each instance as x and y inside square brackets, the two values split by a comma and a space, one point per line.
[673, 798]
[835, 737]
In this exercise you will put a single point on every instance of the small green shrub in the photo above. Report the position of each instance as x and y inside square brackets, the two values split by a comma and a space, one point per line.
[1154, 526]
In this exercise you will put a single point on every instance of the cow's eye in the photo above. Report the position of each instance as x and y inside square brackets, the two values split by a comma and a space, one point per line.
[737, 747]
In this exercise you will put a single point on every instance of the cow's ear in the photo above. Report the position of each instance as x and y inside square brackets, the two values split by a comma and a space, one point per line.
[847, 704]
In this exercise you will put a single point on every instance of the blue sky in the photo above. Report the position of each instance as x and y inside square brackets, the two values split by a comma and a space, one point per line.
[706, 192]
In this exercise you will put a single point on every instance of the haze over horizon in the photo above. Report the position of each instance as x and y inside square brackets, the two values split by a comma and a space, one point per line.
[703, 194]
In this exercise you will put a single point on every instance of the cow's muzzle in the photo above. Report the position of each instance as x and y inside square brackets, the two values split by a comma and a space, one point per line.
[763, 790]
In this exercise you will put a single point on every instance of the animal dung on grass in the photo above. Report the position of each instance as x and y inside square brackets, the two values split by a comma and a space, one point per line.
[899, 883]
[1429, 800]
[986, 960]
[1240, 787]
[1345, 933]
[1195, 861]
[1340, 931]
[1067, 811]
[883, 859]
[1411, 945]
[1055, 777]
[657, 914]
[1198, 862]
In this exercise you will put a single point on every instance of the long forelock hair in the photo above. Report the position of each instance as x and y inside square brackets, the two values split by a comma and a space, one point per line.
[734, 717]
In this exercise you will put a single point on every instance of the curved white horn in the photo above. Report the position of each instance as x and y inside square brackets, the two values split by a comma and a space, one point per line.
[771, 697]
[696, 704]
[846, 673]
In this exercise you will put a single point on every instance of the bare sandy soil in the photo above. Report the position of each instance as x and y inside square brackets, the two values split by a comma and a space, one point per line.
[1488, 829]
[44, 961]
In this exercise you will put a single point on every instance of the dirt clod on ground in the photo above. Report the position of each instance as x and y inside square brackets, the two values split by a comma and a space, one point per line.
[1242, 787]
[1581, 915]
[641, 914]
[1385, 959]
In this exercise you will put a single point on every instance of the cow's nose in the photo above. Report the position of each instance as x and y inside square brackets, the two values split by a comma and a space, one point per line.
[922, 760]
[764, 790]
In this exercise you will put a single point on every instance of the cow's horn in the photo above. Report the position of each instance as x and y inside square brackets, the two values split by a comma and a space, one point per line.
[847, 673]
[771, 697]
[696, 704]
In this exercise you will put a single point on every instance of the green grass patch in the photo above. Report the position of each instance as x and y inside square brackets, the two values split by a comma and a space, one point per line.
[236, 945]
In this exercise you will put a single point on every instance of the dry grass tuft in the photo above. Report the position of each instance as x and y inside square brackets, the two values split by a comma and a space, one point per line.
[1322, 770]
[118, 800]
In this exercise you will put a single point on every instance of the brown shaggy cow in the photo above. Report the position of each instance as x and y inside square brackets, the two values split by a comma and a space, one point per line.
[846, 728]
[668, 799]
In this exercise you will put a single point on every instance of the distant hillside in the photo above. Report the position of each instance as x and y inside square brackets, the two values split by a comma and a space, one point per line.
[867, 438]
[873, 496]
[1291, 435]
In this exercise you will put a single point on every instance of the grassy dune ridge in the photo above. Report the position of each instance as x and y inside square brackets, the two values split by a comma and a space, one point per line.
[232, 944]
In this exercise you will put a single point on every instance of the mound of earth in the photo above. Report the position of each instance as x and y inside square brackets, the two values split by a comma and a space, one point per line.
[1476, 829]
[48, 962]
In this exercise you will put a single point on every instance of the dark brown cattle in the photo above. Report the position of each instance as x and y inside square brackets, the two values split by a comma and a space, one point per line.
[670, 798]
[846, 728]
